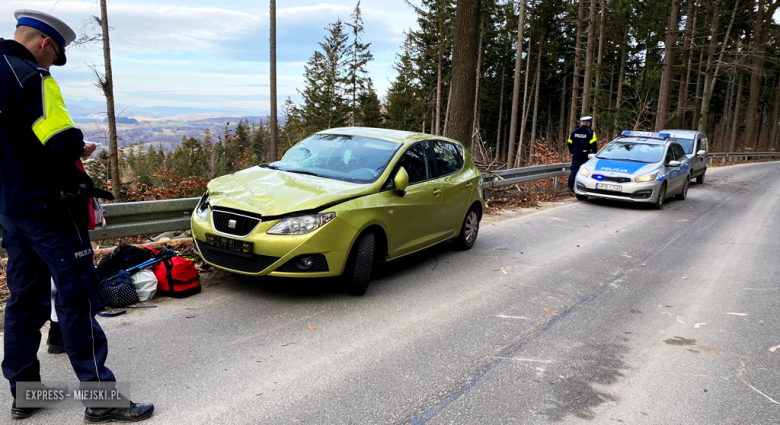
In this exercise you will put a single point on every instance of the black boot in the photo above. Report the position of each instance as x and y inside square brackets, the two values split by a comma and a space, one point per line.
[55, 342]
[26, 412]
[135, 413]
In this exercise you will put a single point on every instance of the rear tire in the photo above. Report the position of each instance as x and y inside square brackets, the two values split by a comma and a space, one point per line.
[684, 192]
[700, 179]
[659, 203]
[469, 230]
[357, 274]
[582, 197]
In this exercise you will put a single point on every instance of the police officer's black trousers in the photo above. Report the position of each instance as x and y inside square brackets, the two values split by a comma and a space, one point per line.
[577, 159]
[41, 247]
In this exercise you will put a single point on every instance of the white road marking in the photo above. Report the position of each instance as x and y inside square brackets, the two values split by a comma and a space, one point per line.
[698, 325]
[502, 316]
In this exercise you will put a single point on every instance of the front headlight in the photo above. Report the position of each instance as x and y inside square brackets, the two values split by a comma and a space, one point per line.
[203, 207]
[301, 225]
[647, 177]
[584, 171]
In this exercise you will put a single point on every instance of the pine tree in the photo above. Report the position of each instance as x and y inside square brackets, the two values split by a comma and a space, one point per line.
[405, 106]
[324, 102]
[359, 57]
[369, 109]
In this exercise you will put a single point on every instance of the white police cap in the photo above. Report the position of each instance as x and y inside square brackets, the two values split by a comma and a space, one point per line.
[56, 29]
[588, 118]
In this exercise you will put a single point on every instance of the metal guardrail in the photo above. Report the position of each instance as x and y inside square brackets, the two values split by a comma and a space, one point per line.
[153, 217]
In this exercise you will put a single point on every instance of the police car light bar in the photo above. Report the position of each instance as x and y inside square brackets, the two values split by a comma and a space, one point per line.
[646, 134]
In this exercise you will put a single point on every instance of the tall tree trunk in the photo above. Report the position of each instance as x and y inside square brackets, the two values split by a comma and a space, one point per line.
[666, 82]
[519, 158]
[735, 118]
[108, 91]
[695, 125]
[723, 48]
[438, 98]
[465, 52]
[705, 104]
[274, 125]
[562, 123]
[586, 94]
[499, 142]
[475, 125]
[611, 86]
[600, 61]
[447, 112]
[575, 86]
[510, 158]
[690, 32]
[622, 73]
[760, 33]
[775, 117]
[532, 141]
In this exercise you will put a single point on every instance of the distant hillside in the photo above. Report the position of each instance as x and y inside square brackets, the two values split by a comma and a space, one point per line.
[85, 109]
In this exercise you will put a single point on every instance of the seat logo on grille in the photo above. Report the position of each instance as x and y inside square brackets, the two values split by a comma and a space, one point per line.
[231, 224]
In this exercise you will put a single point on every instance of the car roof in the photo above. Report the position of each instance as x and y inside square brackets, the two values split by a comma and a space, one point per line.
[681, 133]
[397, 136]
[647, 140]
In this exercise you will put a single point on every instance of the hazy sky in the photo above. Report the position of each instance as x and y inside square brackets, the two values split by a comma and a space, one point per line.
[203, 53]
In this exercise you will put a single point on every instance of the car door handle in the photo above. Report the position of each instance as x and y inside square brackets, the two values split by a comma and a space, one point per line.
[437, 192]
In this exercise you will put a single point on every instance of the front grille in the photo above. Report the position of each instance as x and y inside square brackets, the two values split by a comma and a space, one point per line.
[613, 179]
[320, 265]
[242, 225]
[255, 264]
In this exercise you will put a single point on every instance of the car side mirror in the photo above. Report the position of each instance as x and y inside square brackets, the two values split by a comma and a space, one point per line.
[591, 155]
[401, 181]
[674, 164]
[701, 152]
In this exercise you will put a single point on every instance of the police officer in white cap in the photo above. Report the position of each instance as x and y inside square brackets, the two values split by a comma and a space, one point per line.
[44, 215]
[581, 142]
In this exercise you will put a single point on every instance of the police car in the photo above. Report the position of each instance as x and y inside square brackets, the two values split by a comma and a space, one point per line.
[637, 167]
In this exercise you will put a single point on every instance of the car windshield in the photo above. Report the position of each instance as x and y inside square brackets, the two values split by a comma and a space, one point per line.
[632, 150]
[341, 157]
[687, 144]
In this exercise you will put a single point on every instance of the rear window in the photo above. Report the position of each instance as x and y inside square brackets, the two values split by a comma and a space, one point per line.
[632, 150]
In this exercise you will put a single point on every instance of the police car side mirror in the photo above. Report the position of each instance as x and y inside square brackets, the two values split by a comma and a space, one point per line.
[591, 155]
[674, 164]
[701, 152]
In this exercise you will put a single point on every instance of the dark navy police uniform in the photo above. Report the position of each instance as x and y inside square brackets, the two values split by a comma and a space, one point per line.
[44, 215]
[581, 142]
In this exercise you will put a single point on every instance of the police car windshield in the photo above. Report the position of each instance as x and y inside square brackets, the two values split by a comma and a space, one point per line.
[341, 157]
[687, 144]
[627, 149]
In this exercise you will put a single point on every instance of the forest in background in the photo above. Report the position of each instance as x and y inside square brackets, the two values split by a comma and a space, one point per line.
[638, 65]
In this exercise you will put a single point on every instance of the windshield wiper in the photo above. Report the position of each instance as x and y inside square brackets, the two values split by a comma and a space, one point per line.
[308, 173]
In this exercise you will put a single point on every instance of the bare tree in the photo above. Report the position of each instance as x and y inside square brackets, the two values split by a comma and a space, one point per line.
[465, 52]
[274, 125]
[666, 82]
[600, 61]
[735, 118]
[536, 103]
[524, 122]
[687, 59]
[510, 159]
[575, 86]
[475, 125]
[108, 90]
[705, 104]
[763, 18]
[586, 91]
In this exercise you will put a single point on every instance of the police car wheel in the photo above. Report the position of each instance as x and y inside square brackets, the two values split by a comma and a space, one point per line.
[684, 192]
[469, 231]
[659, 203]
[582, 197]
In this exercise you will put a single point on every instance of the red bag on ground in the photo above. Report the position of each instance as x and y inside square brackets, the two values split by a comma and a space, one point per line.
[176, 277]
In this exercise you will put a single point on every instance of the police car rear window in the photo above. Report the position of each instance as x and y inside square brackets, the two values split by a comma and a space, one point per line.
[634, 151]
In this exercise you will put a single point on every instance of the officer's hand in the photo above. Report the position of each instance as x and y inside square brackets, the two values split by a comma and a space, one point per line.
[89, 148]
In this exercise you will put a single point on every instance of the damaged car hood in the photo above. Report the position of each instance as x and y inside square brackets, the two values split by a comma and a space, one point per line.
[273, 193]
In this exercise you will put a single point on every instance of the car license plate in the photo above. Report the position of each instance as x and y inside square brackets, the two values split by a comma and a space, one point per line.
[231, 246]
[612, 187]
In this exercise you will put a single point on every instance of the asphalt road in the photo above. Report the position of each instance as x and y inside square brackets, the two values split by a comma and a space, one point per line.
[586, 312]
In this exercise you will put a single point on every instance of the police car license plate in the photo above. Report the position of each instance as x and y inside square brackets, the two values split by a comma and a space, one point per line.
[231, 246]
[612, 187]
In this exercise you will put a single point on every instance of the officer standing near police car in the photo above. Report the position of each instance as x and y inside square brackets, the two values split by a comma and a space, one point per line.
[44, 215]
[582, 142]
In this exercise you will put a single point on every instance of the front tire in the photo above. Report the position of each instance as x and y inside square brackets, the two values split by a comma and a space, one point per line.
[357, 274]
[582, 197]
[469, 230]
[684, 192]
[659, 203]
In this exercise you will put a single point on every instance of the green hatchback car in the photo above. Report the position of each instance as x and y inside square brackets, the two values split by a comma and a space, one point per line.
[337, 203]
